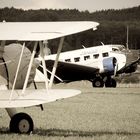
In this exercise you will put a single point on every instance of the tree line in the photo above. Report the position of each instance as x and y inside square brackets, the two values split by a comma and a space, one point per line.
[112, 29]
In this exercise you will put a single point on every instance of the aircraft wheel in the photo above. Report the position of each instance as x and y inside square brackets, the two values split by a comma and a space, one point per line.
[98, 82]
[114, 83]
[21, 123]
[111, 83]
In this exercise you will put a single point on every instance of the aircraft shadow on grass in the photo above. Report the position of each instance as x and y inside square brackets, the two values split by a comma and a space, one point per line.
[75, 133]
[71, 133]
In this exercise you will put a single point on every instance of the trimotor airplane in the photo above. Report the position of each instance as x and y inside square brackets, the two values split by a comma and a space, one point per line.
[17, 67]
[99, 64]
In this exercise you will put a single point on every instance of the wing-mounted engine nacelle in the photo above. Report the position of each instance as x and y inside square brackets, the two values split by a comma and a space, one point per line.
[109, 64]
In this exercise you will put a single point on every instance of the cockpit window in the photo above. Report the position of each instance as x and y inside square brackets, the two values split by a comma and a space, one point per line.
[105, 54]
[95, 56]
[115, 50]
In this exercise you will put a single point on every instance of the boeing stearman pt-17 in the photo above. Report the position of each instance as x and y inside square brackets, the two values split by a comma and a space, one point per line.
[18, 66]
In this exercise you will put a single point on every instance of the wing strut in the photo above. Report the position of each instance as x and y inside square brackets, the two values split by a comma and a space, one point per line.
[51, 73]
[3, 44]
[43, 63]
[16, 75]
[56, 61]
[2, 48]
[29, 68]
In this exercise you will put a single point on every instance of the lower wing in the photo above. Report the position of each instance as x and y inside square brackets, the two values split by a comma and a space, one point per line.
[34, 97]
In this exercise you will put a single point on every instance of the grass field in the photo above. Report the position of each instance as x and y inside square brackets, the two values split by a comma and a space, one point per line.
[96, 114]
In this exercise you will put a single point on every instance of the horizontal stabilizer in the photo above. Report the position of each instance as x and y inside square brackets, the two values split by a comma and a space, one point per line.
[34, 97]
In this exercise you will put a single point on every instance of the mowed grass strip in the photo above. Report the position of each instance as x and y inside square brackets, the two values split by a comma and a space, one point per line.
[100, 114]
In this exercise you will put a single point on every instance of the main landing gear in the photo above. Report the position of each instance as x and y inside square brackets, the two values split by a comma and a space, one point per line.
[21, 123]
[99, 82]
[110, 82]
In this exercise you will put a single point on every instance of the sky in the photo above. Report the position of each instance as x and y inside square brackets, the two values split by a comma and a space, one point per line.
[82, 5]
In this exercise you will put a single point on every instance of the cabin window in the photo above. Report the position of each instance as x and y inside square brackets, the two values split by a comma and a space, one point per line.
[77, 59]
[67, 60]
[105, 54]
[95, 56]
[86, 57]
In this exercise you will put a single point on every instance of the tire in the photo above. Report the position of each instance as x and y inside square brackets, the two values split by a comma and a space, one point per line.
[98, 82]
[21, 123]
[114, 83]
[111, 83]
[108, 83]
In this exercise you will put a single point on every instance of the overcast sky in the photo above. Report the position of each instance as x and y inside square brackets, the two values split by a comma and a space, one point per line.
[90, 5]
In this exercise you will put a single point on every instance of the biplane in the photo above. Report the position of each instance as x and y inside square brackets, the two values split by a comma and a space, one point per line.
[17, 67]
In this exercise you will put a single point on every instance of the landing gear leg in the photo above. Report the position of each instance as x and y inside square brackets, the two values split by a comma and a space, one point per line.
[11, 112]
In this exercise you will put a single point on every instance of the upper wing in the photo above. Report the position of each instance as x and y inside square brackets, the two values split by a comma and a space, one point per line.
[38, 31]
[129, 68]
[71, 72]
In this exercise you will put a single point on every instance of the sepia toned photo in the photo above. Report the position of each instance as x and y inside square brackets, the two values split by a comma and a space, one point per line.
[70, 70]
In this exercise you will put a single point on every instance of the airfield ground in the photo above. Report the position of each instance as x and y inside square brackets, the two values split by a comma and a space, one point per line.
[96, 114]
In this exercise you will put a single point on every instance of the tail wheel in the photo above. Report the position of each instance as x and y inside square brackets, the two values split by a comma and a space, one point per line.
[111, 83]
[98, 82]
[21, 123]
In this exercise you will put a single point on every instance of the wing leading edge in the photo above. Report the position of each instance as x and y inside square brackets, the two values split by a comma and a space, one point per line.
[38, 31]
[34, 97]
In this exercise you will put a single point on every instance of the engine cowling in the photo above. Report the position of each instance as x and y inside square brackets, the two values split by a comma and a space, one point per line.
[109, 64]
[11, 55]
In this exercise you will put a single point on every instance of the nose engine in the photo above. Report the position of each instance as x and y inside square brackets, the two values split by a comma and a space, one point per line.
[110, 65]
[10, 60]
